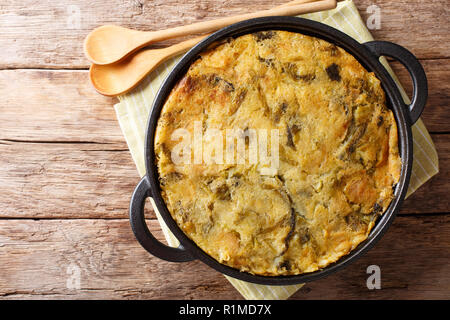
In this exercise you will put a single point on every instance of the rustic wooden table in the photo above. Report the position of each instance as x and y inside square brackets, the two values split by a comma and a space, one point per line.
[66, 175]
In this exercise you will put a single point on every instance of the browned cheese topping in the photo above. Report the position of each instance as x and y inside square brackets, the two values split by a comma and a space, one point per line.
[338, 153]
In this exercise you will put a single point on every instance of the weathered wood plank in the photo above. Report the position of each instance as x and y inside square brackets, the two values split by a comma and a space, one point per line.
[38, 259]
[49, 34]
[416, 25]
[65, 180]
[85, 180]
[39, 105]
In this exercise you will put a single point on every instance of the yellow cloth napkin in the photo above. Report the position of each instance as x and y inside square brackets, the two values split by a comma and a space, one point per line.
[133, 111]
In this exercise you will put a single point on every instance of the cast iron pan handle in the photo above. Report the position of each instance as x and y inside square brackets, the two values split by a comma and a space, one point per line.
[143, 235]
[420, 86]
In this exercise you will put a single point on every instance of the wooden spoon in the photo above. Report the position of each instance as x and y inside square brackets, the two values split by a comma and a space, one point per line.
[109, 44]
[120, 77]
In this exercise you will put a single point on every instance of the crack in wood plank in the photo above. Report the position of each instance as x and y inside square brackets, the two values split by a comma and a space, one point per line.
[55, 141]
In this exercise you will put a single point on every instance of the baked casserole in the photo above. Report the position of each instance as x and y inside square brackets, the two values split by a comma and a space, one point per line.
[337, 156]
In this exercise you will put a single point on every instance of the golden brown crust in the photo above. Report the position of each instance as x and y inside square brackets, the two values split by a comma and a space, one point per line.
[338, 153]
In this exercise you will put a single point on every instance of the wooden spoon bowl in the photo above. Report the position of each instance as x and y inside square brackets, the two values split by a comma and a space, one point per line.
[120, 77]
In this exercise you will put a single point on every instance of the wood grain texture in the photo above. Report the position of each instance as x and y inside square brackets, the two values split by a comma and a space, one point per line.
[48, 34]
[61, 106]
[37, 259]
[53, 180]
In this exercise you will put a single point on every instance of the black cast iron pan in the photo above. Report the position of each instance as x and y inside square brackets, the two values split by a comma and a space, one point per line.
[368, 55]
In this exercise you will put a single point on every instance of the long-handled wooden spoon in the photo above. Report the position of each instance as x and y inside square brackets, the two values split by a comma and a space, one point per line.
[121, 77]
[109, 44]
